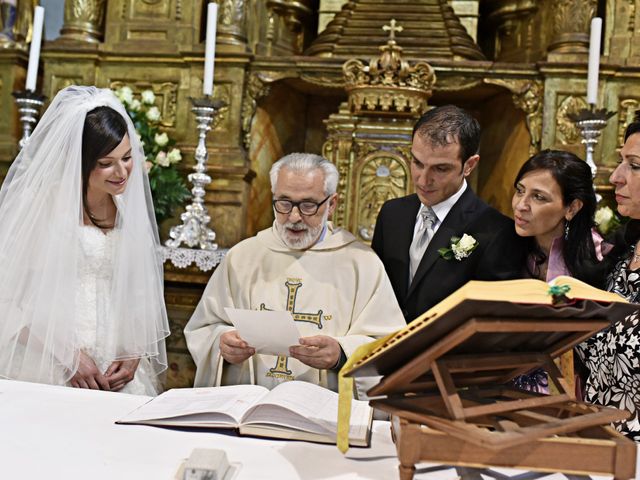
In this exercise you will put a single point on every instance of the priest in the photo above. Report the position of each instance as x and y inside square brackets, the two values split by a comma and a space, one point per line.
[335, 287]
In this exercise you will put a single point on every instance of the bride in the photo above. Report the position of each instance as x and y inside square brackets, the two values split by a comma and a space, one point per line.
[81, 286]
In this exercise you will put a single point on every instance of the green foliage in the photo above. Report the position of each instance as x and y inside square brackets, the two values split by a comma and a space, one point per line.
[168, 188]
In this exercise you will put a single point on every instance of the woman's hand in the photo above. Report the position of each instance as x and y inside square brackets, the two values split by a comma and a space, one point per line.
[88, 375]
[121, 372]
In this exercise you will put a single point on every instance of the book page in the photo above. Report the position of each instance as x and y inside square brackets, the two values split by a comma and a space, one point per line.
[523, 292]
[584, 291]
[269, 332]
[315, 409]
[221, 404]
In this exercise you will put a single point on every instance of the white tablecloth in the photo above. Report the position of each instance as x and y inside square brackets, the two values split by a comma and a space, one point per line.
[49, 432]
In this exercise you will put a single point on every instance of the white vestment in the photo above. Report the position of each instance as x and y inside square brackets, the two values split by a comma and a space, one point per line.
[337, 288]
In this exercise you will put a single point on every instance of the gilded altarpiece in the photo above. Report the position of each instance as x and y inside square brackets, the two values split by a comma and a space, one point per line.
[373, 158]
[286, 89]
[369, 139]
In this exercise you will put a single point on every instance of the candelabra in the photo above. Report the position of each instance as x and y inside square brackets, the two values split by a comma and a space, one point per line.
[591, 122]
[29, 105]
[194, 230]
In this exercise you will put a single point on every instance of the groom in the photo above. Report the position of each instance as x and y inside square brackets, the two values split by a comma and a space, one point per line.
[411, 231]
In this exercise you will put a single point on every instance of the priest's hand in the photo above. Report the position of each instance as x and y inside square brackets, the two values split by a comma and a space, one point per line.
[233, 348]
[319, 351]
[88, 375]
[121, 372]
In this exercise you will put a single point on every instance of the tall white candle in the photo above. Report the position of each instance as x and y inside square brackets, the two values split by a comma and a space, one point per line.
[34, 51]
[210, 50]
[594, 61]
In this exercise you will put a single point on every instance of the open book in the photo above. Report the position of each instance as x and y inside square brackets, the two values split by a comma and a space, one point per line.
[516, 300]
[292, 410]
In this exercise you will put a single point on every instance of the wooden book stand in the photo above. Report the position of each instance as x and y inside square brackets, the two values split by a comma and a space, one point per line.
[446, 378]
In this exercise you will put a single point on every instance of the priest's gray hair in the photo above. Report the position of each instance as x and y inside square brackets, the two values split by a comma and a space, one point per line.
[303, 163]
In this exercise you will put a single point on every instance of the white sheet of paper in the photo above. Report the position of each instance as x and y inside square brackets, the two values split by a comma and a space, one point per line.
[269, 332]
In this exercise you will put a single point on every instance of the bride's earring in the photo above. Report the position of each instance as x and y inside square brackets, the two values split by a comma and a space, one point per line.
[566, 229]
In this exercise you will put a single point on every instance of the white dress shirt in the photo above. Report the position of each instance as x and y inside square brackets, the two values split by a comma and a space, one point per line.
[441, 209]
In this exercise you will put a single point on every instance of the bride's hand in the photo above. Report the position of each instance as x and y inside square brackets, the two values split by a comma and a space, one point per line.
[121, 372]
[88, 375]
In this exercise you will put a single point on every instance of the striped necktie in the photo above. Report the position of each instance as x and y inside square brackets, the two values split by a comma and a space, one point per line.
[421, 240]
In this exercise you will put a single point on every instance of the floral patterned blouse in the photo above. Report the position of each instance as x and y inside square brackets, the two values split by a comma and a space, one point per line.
[613, 355]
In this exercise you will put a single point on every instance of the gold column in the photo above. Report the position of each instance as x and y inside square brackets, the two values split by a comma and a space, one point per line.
[571, 23]
[232, 23]
[84, 20]
[623, 28]
[369, 139]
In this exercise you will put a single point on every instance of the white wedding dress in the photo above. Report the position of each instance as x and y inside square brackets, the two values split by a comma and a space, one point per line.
[93, 297]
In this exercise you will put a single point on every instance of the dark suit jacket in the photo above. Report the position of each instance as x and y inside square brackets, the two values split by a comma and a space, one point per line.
[498, 256]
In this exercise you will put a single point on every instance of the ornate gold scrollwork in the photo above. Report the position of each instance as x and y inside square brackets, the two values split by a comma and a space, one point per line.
[257, 87]
[566, 131]
[527, 95]
[389, 84]
[383, 176]
[626, 114]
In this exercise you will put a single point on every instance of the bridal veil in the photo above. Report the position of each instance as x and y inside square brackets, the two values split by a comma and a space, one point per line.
[40, 215]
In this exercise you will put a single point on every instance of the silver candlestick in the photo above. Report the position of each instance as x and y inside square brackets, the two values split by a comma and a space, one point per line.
[591, 122]
[29, 105]
[194, 230]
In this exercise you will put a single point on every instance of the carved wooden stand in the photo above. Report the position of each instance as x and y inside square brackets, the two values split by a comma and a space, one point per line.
[451, 404]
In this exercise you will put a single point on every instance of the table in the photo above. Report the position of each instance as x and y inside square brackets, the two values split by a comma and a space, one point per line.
[50, 432]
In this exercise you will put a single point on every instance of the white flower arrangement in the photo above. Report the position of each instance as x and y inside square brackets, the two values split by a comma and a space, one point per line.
[148, 97]
[167, 185]
[161, 139]
[606, 220]
[153, 114]
[460, 248]
[174, 155]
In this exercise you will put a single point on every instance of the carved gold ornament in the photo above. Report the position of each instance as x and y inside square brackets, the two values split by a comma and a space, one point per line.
[566, 131]
[388, 84]
[627, 111]
[383, 177]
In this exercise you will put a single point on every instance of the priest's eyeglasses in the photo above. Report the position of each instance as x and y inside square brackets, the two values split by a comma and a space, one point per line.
[305, 207]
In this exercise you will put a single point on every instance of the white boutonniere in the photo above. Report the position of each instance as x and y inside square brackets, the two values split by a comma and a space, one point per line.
[460, 248]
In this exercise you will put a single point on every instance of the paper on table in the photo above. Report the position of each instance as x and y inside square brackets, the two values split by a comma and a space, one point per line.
[269, 332]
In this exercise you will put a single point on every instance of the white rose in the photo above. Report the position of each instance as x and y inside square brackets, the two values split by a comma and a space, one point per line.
[134, 106]
[466, 243]
[125, 94]
[148, 97]
[174, 155]
[161, 139]
[153, 114]
[603, 215]
[162, 159]
[140, 139]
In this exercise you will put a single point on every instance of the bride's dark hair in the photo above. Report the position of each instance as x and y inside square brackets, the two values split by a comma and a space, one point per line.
[104, 129]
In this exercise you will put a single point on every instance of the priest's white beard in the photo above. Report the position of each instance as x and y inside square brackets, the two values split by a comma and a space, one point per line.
[305, 240]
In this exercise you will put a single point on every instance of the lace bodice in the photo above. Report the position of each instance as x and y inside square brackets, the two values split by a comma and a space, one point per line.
[93, 298]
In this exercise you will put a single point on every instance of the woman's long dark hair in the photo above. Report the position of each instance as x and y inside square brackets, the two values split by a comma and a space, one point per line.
[576, 183]
[104, 129]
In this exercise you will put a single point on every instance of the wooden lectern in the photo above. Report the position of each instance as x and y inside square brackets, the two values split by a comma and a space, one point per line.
[446, 382]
